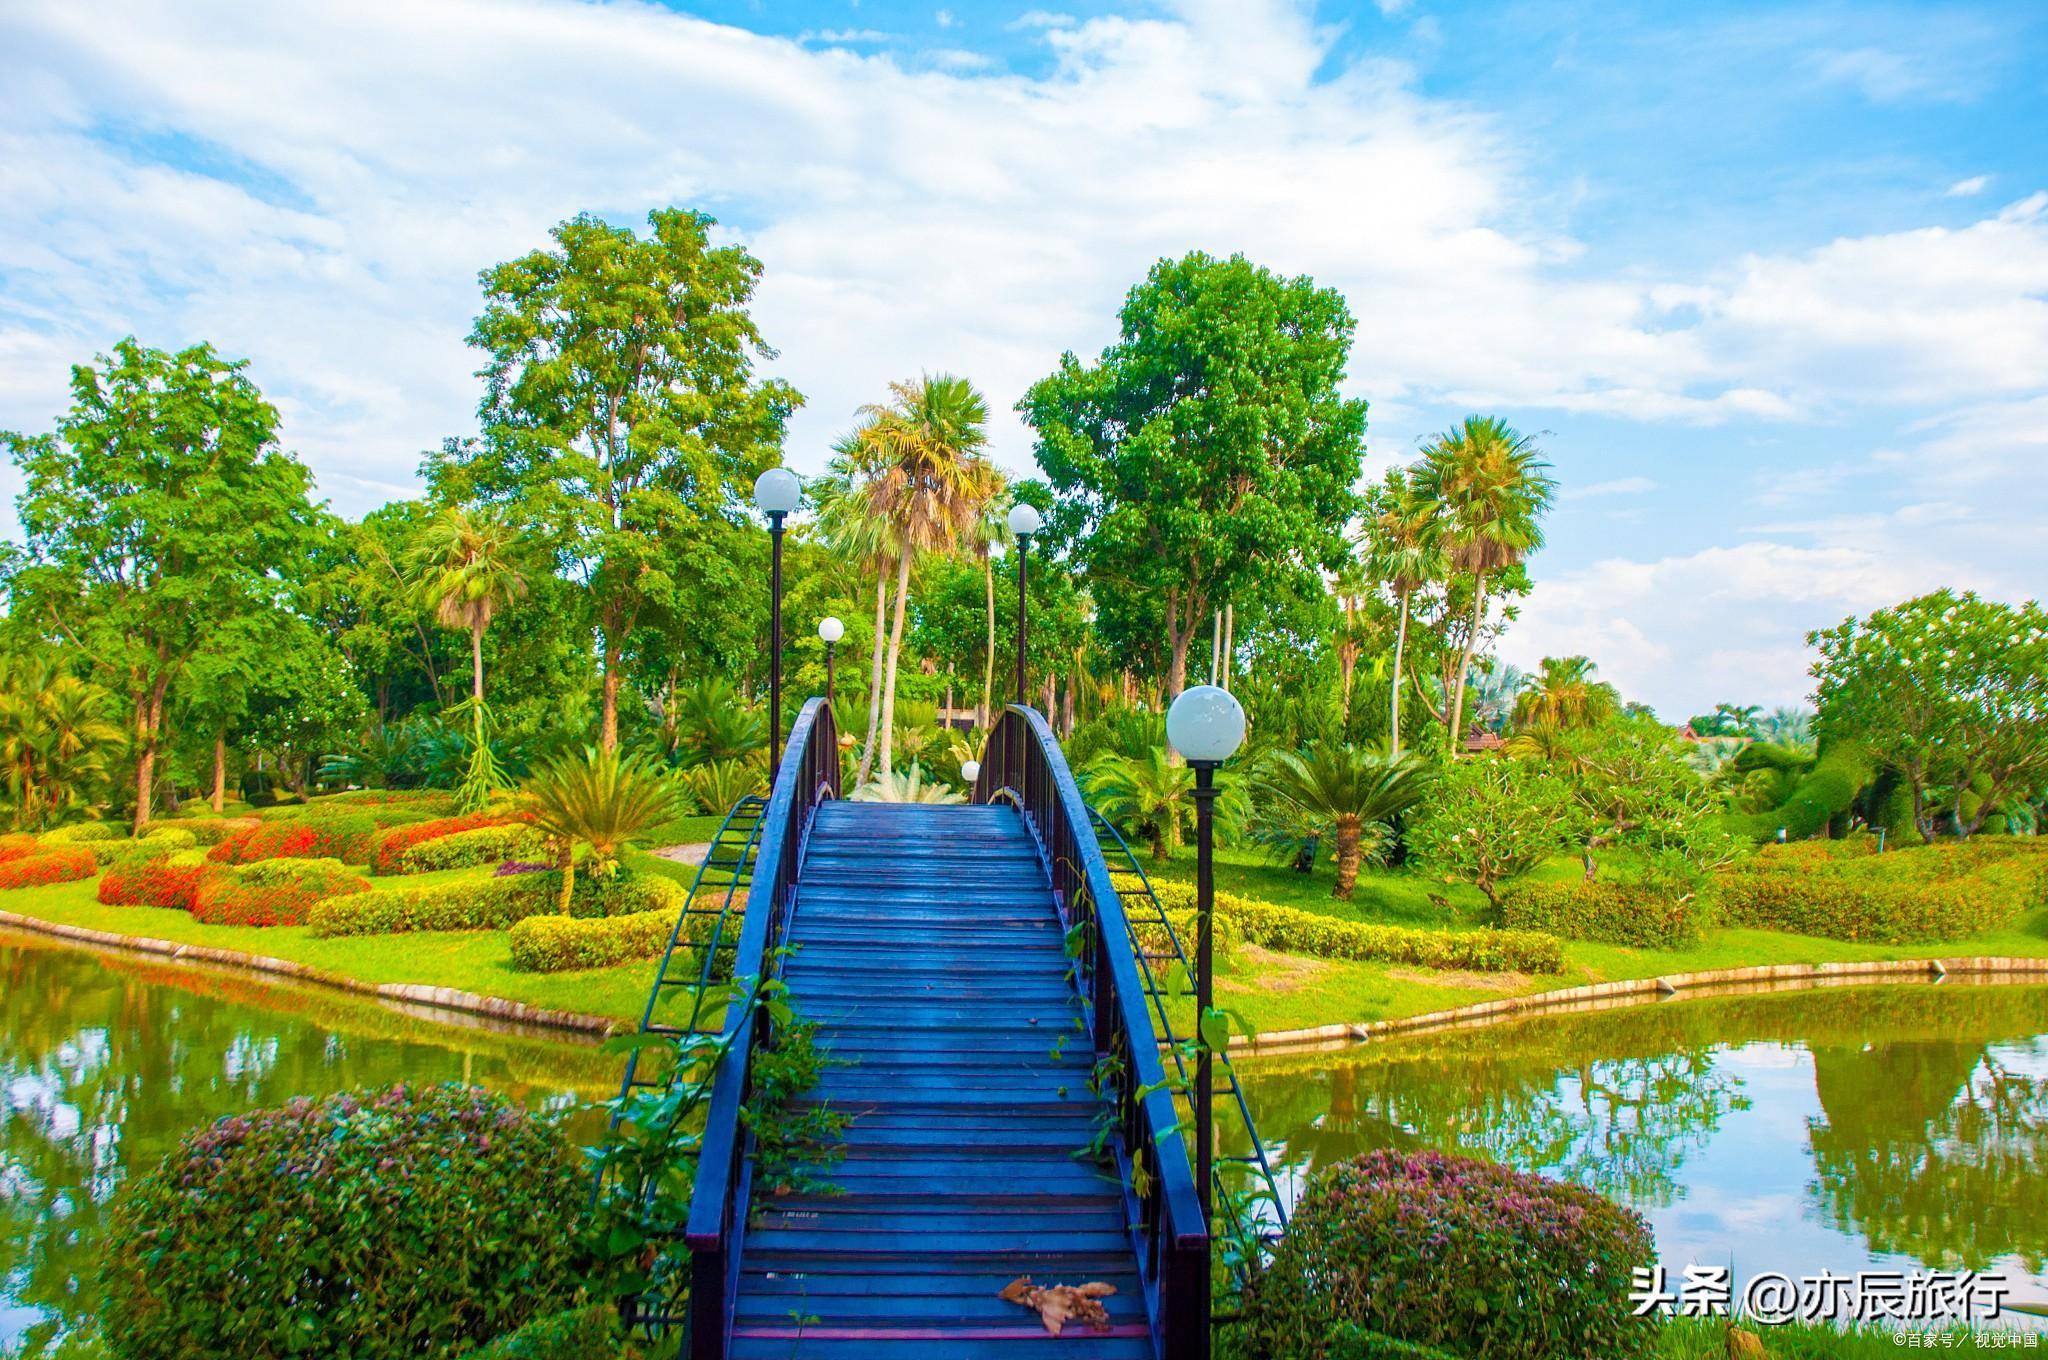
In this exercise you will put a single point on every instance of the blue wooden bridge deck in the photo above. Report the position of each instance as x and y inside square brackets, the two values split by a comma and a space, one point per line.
[928, 950]
[998, 1038]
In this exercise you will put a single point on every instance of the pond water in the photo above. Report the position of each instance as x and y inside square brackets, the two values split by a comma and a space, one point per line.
[106, 1059]
[1876, 1128]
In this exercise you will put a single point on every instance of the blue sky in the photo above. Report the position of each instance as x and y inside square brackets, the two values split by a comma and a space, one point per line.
[1772, 279]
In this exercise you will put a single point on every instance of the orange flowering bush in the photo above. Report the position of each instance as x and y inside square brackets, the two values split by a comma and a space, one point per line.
[276, 894]
[64, 864]
[345, 838]
[389, 855]
[161, 881]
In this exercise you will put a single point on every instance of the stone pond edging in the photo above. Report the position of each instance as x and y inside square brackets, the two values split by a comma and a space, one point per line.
[409, 993]
[1636, 991]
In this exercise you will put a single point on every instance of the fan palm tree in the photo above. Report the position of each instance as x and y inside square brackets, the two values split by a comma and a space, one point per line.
[1564, 694]
[924, 449]
[57, 740]
[987, 530]
[1147, 791]
[1787, 727]
[1346, 788]
[1487, 487]
[600, 799]
[1406, 552]
[857, 530]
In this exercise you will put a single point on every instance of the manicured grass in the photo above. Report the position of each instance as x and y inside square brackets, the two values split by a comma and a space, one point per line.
[1279, 992]
[1707, 1339]
[684, 831]
[474, 961]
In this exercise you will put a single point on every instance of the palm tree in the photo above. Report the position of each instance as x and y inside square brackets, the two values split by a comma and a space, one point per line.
[1346, 788]
[988, 530]
[857, 530]
[1487, 487]
[925, 448]
[1564, 694]
[465, 560]
[600, 799]
[1787, 726]
[1406, 552]
[56, 740]
[1148, 790]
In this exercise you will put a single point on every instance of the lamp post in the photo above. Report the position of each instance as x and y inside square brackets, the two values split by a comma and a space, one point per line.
[1206, 725]
[776, 493]
[1024, 522]
[830, 630]
[970, 771]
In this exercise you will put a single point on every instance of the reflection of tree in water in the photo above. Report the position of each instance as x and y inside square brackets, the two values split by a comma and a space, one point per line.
[1937, 1151]
[1622, 1126]
[104, 1064]
[1617, 1100]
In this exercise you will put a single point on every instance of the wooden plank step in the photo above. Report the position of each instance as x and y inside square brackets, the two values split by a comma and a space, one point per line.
[910, 1243]
[984, 1305]
[1053, 1216]
[818, 1342]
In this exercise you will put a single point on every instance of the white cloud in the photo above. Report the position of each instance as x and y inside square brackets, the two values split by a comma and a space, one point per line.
[1878, 74]
[944, 18]
[1969, 188]
[1620, 486]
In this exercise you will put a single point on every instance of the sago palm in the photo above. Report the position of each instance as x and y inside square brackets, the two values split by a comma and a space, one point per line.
[600, 799]
[1147, 792]
[1346, 788]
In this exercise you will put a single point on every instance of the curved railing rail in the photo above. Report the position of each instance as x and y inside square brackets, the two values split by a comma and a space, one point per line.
[1249, 1207]
[1023, 764]
[807, 775]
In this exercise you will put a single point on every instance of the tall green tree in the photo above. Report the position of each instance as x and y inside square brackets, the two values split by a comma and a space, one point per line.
[621, 404]
[857, 530]
[468, 569]
[1488, 488]
[1207, 452]
[58, 740]
[160, 508]
[1405, 551]
[1563, 694]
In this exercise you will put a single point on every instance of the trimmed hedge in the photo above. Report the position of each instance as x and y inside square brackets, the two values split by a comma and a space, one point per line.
[347, 838]
[155, 881]
[213, 830]
[1293, 931]
[1456, 1253]
[165, 840]
[399, 1224]
[63, 864]
[16, 844]
[1356, 1343]
[1640, 914]
[588, 1333]
[1825, 792]
[554, 944]
[1912, 896]
[84, 833]
[468, 849]
[278, 893]
[494, 903]
[392, 844]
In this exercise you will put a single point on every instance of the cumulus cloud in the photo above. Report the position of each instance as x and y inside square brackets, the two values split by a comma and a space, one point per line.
[1969, 188]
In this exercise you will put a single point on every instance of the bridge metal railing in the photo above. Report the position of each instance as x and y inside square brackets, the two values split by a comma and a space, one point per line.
[1023, 764]
[807, 775]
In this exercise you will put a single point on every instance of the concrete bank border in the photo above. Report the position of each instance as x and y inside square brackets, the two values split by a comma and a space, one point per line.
[408, 994]
[1638, 991]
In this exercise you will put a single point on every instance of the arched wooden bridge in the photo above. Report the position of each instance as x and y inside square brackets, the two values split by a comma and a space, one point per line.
[999, 1034]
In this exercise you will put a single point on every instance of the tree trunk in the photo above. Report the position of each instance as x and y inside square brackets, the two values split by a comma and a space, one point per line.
[476, 669]
[1465, 666]
[568, 878]
[608, 729]
[1216, 648]
[1177, 663]
[1400, 675]
[988, 669]
[1350, 853]
[149, 734]
[867, 750]
[220, 770]
[895, 655]
[1229, 642]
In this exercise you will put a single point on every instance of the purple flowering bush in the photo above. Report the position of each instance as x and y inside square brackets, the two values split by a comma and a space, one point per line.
[418, 1222]
[1456, 1253]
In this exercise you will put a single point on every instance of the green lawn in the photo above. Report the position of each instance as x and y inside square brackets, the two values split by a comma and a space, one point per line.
[684, 831]
[1278, 992]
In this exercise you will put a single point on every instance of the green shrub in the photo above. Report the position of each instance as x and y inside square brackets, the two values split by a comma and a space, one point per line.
[587, 1333]
[213, 830]
[387, 856]
[1356, 1343]
[1645, 915]
[1456, 1253]
[166, 839]
[1824, 793]
[84, 833]
[1926, 893]
[372, 1225]
[1294, 931]
[554, 944]
[491, 903]
[467, 849]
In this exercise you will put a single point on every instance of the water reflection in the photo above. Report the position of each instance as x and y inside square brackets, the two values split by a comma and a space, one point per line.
[1884, 1127]
[106, 1060]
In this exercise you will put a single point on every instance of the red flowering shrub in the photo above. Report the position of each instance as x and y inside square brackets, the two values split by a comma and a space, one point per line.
[160, 881]
[275, 894]
[1456, 1253]
[392, 844]
[347, 838]
[15, 845]
[64, 864]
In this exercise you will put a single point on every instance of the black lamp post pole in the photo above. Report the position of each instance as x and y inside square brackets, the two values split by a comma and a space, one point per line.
[828, 674]
[1023, 553]
[774, 644]
[1205, 979]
